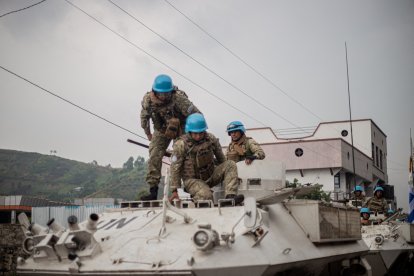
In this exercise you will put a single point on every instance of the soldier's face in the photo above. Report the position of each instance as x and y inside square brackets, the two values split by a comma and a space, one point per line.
[378, 194]
[235, 135]
[365, 215]
[357, 193]
[197, 136]
[164, 97]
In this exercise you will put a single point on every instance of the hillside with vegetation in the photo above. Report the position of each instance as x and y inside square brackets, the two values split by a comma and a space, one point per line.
[56, 178]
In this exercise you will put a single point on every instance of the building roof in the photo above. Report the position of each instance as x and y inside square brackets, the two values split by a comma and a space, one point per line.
[25, 200]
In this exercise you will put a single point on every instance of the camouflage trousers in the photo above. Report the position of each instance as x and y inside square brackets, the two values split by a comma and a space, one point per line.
[225, 172]
[157, 147]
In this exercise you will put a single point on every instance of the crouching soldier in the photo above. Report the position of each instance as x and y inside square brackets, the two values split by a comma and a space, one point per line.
[242, 147]
[199, 161]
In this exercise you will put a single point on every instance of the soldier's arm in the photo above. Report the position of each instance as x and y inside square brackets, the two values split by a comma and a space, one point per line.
[185, 106]
[256, 149]
[177, 162]
[145, 116]
[218, 151]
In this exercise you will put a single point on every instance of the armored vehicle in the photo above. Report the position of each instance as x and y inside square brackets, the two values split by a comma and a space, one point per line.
[271, 234]
[391, 245]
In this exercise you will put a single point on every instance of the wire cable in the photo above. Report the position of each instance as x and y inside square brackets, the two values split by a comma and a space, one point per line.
[23, 8]
[163, 63]
[203, 65]
[251, 67]
[72, 103]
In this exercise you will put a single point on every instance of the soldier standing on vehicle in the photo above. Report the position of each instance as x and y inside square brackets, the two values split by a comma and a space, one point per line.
[378, 203]
[242, 147]
[199, 161]
[168, 108]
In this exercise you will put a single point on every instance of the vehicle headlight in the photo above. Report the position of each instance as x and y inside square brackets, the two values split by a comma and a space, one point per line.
[206, 239]
[28, 245]
[201, 238]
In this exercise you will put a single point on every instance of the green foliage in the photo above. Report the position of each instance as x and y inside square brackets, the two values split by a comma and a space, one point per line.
[24, 173]
[316, 193]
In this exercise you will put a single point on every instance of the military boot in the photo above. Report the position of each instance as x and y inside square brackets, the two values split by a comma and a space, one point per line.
[238, 199]
[153, 194]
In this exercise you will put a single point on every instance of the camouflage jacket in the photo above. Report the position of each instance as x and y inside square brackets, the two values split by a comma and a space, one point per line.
[193, 159]
[178, 107]
[246, 146]
[377, 204]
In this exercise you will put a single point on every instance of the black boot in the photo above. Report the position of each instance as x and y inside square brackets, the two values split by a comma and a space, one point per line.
[153, 194]
[238, 199]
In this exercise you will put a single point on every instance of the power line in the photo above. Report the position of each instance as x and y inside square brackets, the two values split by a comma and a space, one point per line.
[23, 8]
[196, 84]
[243, 61]
[163, 63]
[69, 102]
[252, 68]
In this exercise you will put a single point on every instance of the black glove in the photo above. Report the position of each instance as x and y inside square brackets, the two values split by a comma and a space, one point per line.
[251, 157]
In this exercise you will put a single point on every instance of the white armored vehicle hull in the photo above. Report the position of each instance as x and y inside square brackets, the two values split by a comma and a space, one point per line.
[269, 235]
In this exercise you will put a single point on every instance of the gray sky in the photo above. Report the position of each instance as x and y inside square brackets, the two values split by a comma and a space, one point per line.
[298, 45]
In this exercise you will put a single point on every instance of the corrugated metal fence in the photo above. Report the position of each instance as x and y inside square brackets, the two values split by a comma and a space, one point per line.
[41, 215]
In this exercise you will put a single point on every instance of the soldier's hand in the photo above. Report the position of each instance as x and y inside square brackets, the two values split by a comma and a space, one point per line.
[149, 136]
[174, 195]
[249, 159]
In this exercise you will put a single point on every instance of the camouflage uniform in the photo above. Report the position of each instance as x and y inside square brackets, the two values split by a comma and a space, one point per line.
[377, 204]
[245, 146]
[359, 201]
[195, 163]
[179, 107]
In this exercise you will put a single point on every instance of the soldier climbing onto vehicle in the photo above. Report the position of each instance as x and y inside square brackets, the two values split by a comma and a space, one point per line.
[242, 147]
[199, 161]
[378, 203]
[168, 108]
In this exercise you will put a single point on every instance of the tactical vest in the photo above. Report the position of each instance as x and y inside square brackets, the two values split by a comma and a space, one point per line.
[377, 204]
[199, 161]
[163, 113]
[238, 151]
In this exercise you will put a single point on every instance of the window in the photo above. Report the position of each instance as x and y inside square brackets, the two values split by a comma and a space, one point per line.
[380, 159]
[299, 152]
[337, 181]
[376, 156]
[373, 154]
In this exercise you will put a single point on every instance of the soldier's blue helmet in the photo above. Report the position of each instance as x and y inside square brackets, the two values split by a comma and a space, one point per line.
[195, 123]
[163, 84]
[378, 188]
[358, 188]
[390, 211]
[235, 125]
[364, 210]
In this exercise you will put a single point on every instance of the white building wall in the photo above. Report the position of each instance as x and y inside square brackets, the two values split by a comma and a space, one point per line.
[361, 133]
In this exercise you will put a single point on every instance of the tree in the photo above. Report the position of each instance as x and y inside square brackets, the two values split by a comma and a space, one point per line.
[129, 164]
[139, 162]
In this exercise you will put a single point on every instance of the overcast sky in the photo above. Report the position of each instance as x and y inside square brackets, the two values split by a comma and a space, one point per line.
[298, 45]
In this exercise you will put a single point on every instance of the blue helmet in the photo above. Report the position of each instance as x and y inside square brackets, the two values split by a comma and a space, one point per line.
[163, 84]
[390, 211]
[358, 188]
[364, 210]
[235, 125]
[195, 123]
[378, 188]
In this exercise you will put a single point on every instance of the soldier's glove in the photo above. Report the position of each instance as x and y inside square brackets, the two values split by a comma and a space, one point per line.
[174, 195]
[251, 157]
